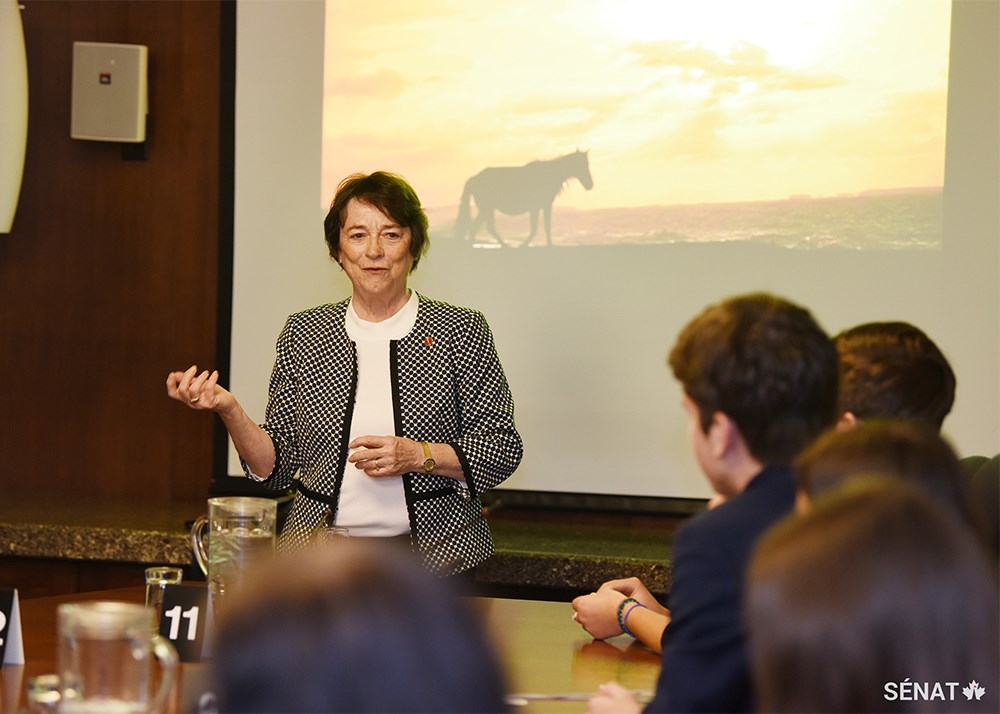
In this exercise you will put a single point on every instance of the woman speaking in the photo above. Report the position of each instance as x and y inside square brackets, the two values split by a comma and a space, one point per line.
[392, 408]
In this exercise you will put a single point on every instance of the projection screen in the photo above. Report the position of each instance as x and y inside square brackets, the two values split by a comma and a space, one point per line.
[776, 150]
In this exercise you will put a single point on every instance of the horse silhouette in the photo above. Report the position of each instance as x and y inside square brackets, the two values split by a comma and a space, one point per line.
[513, 190]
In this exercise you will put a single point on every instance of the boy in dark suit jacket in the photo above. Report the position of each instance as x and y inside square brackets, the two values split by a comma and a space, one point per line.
[760, 382]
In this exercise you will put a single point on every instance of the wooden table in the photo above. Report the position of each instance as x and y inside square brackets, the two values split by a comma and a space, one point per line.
[544, 650]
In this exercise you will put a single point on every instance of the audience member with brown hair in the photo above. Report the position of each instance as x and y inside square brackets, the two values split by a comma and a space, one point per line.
[897, 448]
[356, 627]
[891, 370]
[876, 600]
[760, 382]
[901, 449]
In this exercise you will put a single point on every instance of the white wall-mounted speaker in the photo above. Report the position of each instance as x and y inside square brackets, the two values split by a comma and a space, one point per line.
[110, 93]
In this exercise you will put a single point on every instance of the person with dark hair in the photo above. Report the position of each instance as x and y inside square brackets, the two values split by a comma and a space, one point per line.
[760, 382]
[896, 448]
[892, 370]
[392, 408]
[876, 600]
[358, 627]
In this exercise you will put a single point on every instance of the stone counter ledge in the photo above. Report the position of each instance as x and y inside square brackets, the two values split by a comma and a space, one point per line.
[94, 543]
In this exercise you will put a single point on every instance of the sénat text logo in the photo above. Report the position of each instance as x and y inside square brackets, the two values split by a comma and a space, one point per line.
[930, 691]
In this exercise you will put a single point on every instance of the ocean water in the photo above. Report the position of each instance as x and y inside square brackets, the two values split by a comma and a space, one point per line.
[905, 219]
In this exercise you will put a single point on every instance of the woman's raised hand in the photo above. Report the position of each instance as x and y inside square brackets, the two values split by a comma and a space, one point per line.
[199, 391]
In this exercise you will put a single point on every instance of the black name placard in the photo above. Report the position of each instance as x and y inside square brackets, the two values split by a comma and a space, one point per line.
[185, 620]
[11, 641]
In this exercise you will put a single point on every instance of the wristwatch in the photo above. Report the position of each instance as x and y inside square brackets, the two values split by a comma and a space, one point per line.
[429, 463]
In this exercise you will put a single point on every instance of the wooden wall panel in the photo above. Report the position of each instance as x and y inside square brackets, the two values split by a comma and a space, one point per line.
[109, 277]
[45, 577]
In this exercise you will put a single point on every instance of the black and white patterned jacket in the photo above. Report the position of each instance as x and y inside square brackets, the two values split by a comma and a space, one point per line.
[447, 386]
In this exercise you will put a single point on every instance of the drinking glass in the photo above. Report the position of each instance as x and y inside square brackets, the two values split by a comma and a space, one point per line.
[331, 534]
[43, 693]
[158, 578]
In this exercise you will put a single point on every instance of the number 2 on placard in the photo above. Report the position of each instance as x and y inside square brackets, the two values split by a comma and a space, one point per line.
[175, 616]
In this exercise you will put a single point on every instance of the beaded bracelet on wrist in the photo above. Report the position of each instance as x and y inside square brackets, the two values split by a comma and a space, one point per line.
[624, 622]
[621, 607]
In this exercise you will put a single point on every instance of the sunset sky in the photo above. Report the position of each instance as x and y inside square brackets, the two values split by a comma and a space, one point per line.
[677, 102]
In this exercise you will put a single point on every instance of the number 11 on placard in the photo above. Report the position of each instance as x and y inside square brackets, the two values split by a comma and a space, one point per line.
[175, 614]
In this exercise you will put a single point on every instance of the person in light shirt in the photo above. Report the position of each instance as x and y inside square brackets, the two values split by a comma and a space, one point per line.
[392, 407]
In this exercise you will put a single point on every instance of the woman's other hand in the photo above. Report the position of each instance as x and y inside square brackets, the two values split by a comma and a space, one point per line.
[382, 456]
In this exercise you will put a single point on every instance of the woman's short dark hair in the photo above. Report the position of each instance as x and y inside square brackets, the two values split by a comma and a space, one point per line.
[874, 589]
[354, 627]
[387, 192]
[766, 364]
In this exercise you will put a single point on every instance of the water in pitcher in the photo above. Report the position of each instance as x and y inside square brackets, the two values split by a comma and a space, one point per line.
[232, 554]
